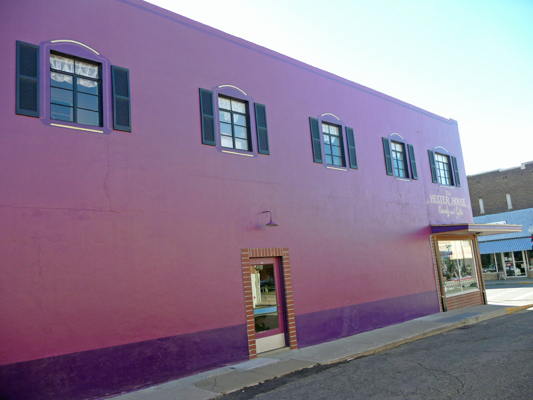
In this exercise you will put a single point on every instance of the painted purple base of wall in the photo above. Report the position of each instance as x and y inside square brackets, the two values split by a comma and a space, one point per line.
[324, 326]
[111, 370]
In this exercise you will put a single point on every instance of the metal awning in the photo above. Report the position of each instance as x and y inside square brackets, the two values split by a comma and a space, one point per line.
[478, 229]
[502, 246]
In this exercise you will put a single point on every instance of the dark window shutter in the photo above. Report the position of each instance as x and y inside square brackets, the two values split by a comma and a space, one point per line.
[208, 117]
[388, 159]
[432, 165]
[352, 155]
[262, 131]
[27, 79]
[412, 161]
[315, 137]
[456, 172]
[121, 99]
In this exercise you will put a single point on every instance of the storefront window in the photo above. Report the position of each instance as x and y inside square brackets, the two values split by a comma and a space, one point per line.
[529, 257]
[458, 266]
[489, 263]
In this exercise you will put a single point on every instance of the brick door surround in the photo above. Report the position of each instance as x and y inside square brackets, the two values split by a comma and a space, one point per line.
[283, 254]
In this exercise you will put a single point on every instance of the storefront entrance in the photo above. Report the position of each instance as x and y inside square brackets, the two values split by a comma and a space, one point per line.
[515, 264]
[269, 311]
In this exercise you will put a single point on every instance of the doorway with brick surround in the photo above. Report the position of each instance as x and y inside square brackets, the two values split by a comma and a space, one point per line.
[270, 315]
[269, 310]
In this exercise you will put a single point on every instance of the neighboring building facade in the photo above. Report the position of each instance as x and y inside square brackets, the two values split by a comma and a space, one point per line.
[174, 199]
[505, 197]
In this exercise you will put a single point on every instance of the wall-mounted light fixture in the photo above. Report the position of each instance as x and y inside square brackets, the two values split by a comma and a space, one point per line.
[270, 223]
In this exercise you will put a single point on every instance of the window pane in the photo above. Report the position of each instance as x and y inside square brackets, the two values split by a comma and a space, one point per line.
[88, 101]
[327, 149]
[333, 130]
[238, 106]
[61, 112]
[325, 128]
[458, 266]
[87, 86]
[88, 117]
[241, 144]
[334, 140]
[239, 119]
[225, 116]
[61, 63]
[240, 132]
[60, 80]
[61, 97]
[86, 69]
[226, 141]
[224, 103]
[225, 129]
[336, 151]
[329, 160]
[337, 161]
[326, 139]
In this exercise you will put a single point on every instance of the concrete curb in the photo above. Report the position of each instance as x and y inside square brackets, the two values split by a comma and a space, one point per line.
[511, 310]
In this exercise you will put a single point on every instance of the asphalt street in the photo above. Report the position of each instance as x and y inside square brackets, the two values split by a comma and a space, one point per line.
[488, 360]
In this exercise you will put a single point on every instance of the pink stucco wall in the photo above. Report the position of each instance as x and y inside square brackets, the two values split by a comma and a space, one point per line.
[126, 237]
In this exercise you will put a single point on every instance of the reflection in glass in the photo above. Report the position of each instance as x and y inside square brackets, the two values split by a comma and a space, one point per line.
[458, 266]
[239, 119]
[60, 80]
[61, 112]
[88, 101]
[86, 117]
[240, 132]
[226, 141]
[87, 86]
[264, 298]
[238, 106]
[224, 103]
[241, 144]
[61, 97]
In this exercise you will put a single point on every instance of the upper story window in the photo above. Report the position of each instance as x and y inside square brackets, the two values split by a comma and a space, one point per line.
[333, 146]
[83, 90]
[328, 132]
[234, 123]
[399, 157]
[75, 90]
[444, 172]
[444, 169]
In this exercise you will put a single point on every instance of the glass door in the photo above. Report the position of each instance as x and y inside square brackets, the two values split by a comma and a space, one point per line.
[519, 263]
[508, 263]
[269, 313]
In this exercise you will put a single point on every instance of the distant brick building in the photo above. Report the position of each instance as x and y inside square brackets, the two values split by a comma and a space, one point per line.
[505, 197]
[502, 190]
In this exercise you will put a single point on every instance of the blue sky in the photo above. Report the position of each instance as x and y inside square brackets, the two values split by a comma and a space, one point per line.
[468, 60]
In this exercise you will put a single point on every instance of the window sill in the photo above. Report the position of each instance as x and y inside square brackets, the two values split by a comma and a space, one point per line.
[238, 153]
[336, 168]
[79, 127]
[461, 293]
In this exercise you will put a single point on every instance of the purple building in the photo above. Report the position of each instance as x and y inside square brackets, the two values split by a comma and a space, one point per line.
[174, 199]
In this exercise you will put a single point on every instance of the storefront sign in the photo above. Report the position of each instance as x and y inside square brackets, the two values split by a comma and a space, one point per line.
[448, 205]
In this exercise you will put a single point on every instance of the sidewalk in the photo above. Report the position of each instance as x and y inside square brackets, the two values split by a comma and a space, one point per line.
[215, 383]
[509, 282]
